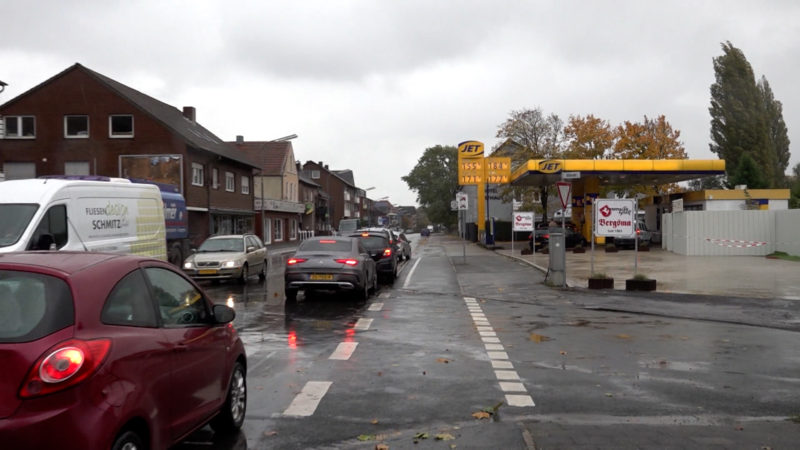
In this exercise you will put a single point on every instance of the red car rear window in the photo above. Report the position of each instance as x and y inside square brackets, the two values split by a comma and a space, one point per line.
[32, 306]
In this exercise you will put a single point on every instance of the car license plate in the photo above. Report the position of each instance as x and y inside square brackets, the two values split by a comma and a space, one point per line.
[321, 276]
[207, 271]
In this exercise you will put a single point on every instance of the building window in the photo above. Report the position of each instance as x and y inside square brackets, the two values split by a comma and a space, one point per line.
[347, 196]
[245, 185]
[277, 230]
[197, 174]
[76, 127]
[120, 126]
[20, 127]
[293, 230]
[215, 178]
[230, 182]
[315, 174]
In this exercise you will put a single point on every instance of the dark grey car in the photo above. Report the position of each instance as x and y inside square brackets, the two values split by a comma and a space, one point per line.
[336, 263]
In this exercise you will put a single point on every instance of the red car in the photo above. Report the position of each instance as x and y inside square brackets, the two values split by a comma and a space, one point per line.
[105, 351]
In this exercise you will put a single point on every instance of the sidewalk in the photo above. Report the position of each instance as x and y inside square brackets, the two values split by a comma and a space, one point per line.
[737, 276]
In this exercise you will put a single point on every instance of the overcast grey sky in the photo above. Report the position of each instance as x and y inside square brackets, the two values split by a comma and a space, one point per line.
[369, 85]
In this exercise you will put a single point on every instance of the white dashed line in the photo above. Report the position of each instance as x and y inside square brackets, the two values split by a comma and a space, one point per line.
[362, 324]
[519, 400]
[377, 306]
[306, 402]
[344, 350]
[503, 369]
[411, 272]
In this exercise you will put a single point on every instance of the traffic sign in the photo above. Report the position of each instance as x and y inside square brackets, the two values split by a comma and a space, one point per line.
[564, 191]
[461, 199]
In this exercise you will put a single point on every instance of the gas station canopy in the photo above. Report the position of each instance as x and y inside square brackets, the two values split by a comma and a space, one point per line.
[615, 171]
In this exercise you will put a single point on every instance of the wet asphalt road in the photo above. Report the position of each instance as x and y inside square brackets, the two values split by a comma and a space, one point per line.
[454, 336]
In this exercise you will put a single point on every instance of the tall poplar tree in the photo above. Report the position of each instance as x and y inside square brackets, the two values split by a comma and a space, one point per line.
[739, 119]
[778, 134]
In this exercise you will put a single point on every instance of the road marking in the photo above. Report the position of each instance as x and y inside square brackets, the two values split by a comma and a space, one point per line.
[502, 364]
[519, 400]
[493, 346]
[506, 375]
[344, 350]
[306, 402]
[411, 272]
[487, 333]
[469, 299]
[377, 306]
[490, 340]
[511, 386]
[362, 324]
[384, 295]
[497, 355]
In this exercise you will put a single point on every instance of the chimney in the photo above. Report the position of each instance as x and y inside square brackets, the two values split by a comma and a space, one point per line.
[239, 139]
[190, 113]
[320, 164]
[326, 167]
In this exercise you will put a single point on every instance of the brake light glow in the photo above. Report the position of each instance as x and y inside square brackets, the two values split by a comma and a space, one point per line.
[387, 253]
[327, 241]
[64, 365]
[364, 234]
[349, 262]
[293, 261]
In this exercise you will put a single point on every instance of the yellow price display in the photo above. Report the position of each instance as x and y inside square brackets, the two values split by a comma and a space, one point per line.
[498, 170]
[470, 179]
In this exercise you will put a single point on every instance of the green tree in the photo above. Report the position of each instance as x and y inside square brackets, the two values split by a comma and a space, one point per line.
[739, 121]
[748, 173]
[435, 180]
[778, 134]
[794, 199]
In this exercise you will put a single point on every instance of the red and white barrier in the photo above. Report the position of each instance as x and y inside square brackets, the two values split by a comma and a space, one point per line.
[735, 243]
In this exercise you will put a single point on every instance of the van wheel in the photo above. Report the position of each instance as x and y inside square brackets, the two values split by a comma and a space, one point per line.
[244, 276]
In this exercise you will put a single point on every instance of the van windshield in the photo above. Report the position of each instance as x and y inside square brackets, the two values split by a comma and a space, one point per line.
[14, 219]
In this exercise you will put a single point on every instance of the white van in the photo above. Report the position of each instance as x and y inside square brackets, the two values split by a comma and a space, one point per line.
[103, 215]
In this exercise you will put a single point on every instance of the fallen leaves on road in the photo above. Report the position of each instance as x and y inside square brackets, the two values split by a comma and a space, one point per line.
[538, 338]
[381, 447]
[481, 415]
[366, 437]
[623, 336]
[443, 360]
[270, 433]
[444, 437]
[374, 421]
[563, 353]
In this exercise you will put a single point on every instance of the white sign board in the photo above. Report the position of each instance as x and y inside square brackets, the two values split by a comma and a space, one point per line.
[523, 221]
[677, 205]
[615, 217]
[461, 198]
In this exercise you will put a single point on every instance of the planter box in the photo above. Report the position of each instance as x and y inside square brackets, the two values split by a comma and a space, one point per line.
[601, 283]
[640, 285]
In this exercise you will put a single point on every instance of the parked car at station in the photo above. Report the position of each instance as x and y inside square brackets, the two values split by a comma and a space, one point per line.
[230, 256]
[331, 263]
[378, 243]
[106, 351]
[642, 233]
[572, 236]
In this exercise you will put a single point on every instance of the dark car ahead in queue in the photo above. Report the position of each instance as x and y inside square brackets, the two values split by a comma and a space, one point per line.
[106, 351]
[338, 263]
[379, 245]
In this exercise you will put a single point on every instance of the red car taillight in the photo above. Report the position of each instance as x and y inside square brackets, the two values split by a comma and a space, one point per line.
[64, 365]
[349, 262]
[387, 252]
[293, 261]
